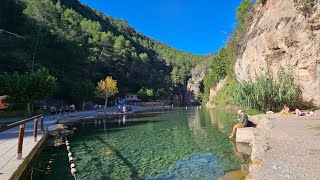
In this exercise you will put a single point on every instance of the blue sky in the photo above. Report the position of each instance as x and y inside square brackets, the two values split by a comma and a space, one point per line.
[195, 26]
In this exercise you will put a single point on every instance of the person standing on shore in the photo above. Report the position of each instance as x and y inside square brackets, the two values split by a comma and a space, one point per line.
[67, 108]
[243, 123]
[72, 108]
[53, 111]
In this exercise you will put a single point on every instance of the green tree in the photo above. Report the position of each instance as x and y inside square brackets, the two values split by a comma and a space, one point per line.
[145, 94]
[29, 87]
[81, 91]
[243, 9]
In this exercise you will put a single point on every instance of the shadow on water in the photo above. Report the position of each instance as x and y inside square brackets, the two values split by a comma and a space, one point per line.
[116, 124]
[134, 172]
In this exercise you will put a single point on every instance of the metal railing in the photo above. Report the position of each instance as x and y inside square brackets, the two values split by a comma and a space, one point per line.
[21, 130]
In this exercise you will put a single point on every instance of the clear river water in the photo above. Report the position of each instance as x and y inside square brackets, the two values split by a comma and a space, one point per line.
[177, 144]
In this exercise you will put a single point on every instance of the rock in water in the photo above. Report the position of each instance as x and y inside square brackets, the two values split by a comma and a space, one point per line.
[199, 166]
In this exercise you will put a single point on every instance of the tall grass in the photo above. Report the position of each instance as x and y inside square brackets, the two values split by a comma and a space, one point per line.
[266, 93]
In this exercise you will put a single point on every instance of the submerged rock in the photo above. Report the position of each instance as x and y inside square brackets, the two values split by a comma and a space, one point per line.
[197, 166]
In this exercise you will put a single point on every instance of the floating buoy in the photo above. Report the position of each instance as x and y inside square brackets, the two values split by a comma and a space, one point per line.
[186, 107]
[72, 165]
[70, 159]
[68, 148]
[69, 154]
[67, 141]
[73, 170]
[67, 144]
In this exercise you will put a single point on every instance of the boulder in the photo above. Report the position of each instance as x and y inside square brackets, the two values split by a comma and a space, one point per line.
[245, 135]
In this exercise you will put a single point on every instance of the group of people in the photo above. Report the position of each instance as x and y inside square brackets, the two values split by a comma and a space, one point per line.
[298, 112]
[243, 118]
[62, 110]
[123, 109]
[96, 107]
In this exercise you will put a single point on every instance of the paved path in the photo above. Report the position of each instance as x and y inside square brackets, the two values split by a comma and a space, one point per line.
[9, 141]
[293, 149]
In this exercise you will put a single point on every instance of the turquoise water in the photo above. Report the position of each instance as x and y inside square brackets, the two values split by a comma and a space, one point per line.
[180, 144]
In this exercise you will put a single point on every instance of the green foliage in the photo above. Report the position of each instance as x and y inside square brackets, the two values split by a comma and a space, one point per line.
[224, 96]
[81, 91]
[78, 44]
[180, 75]
[252, 112]
[222, 62]
[28, 87]
[220, 67]
[267, 94]
[239, 38]
[145, 94]
[242, 10]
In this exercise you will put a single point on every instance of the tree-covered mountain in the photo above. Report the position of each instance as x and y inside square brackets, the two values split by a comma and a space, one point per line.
[81, 46]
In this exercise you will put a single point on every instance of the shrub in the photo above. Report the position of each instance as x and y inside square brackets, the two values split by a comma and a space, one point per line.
[267, 94]
[223, 97]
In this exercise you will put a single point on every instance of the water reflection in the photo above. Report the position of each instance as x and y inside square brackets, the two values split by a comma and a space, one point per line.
[181, 143]
[194, 122]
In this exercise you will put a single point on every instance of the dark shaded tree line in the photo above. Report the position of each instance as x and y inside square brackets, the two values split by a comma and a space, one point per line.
[80, 46]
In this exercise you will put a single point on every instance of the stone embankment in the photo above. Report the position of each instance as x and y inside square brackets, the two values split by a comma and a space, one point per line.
[283, 147]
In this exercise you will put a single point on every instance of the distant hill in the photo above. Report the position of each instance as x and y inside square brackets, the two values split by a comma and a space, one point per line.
[80, 46]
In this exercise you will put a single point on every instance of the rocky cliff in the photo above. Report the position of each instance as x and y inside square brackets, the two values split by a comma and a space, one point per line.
[194, 86]
[284, 33]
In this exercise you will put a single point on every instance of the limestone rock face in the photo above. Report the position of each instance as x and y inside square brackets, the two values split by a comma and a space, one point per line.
[194, 83]
[213, 92]
[283, 35]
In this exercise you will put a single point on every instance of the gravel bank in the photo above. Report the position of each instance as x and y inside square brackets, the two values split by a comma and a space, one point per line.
[285, 147]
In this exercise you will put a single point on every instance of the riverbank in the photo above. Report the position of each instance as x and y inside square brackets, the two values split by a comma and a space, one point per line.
[285, 147]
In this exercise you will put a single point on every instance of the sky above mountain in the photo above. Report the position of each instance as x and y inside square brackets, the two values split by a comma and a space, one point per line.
[198, 27]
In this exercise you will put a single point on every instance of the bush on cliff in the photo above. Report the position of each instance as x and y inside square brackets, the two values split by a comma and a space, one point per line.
[266, 93]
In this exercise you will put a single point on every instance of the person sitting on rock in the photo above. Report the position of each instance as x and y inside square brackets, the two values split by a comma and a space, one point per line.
[285, 110]
[243, 123]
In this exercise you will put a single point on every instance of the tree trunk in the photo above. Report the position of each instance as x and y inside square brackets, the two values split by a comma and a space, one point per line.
[105, 105]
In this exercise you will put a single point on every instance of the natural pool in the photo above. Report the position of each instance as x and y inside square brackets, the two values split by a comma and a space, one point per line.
[179, 144]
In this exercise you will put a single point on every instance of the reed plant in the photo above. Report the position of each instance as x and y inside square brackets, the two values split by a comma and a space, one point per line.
[267, 93]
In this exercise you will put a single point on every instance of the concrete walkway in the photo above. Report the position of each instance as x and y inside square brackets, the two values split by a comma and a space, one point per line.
[288, 149]
[9, 142]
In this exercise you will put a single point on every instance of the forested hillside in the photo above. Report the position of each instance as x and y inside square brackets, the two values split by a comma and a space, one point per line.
[80, 46]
